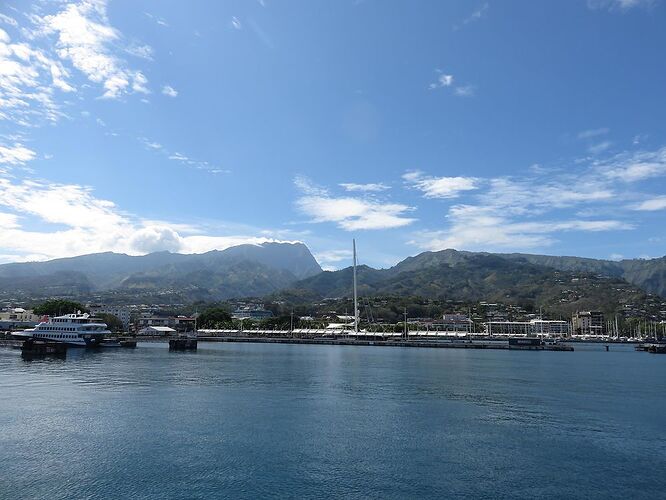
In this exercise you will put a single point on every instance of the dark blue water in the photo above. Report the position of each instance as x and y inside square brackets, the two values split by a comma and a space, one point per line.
[250, 421]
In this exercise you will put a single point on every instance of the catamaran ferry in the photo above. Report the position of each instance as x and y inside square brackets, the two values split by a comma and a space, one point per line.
[72, 329]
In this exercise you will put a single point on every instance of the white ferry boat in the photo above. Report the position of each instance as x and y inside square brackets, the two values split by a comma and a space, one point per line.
[72, 329]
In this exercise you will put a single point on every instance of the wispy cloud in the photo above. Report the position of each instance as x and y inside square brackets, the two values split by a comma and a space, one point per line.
[157, 19]
[85, 38]
[653, 204]
[592, 133]
[349, 213]
[529, 211]
[633, 167]
[474, 227]
[73, 221]
[439, 187]
[169, 91]
[142, 51]
[619, 5]
[599, 147]
[476, 14]
[4, 18]
[465, 91]
[443, 80]
[15, 155]
[371, 187]
[182, 158]
[28, 80]
[333, 256]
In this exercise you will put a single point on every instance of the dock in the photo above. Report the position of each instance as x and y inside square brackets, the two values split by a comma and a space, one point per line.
[438, 344]
[38, 348]
[183, 344]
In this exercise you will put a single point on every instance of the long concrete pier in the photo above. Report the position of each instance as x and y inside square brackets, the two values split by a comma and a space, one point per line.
[437, 344]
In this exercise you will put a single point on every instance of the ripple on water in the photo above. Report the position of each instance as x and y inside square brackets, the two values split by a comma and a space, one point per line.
[252, 421]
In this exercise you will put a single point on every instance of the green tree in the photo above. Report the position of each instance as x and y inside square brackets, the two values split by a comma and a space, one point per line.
[215, 317]
[112, 322]
[56, 307]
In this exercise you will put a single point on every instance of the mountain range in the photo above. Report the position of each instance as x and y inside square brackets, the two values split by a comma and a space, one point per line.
[244, 270]
[289, 271]
[563, 284]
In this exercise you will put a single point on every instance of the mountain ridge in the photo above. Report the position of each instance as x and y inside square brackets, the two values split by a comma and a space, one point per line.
[272, 268]
[275, 266]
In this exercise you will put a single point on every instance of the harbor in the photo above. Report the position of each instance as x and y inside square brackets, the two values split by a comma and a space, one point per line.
[248, 406]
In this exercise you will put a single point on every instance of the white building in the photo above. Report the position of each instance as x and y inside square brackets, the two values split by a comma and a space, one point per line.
[120, 312]
[549, 327]
[157, 331]
[507, 327]
[18, 318]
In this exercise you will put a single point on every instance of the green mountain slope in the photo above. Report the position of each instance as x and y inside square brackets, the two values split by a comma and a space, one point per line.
[464, 276]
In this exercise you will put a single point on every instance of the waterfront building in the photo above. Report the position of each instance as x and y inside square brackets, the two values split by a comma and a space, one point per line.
[120, 312]
[157, 331]
[17, 318]
[507, 327]
[454, 323]
[549, 327]
[588, 323]
[177, 323]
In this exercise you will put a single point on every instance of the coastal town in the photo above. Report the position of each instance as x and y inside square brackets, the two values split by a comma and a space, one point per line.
[481, 319]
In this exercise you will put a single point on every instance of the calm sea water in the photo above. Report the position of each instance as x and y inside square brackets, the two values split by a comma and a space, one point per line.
[254, 420]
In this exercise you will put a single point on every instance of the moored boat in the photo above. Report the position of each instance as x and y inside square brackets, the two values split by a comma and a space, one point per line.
[76, 330]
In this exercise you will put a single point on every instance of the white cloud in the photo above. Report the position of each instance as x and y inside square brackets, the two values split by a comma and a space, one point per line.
[465, 91]
[330, 256]
[142, 51]
[350, 214]
[372, 187]
[633, 167]
[485, 228]
[619, 5]
[520, 213]
[85, 38]
[591, 133]
[73, 221]
[168, 90]
[658, 203]
[182, 158]
[178, 157]
[599, 147]
[155, 239]
[477, 14]
[159, 20]
[28, 78]
[443, 80]
[8, 20]
[440, 187]
[15, 155]
[8, 221]
[156, 146]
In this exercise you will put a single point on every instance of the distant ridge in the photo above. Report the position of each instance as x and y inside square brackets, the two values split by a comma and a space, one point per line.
[564, 284]
[236, 271]
[289, 269]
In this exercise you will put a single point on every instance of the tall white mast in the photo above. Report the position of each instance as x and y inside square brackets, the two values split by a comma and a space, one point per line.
[355, 294]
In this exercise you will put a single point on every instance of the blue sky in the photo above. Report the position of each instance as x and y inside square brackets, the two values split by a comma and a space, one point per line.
[137, 126]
